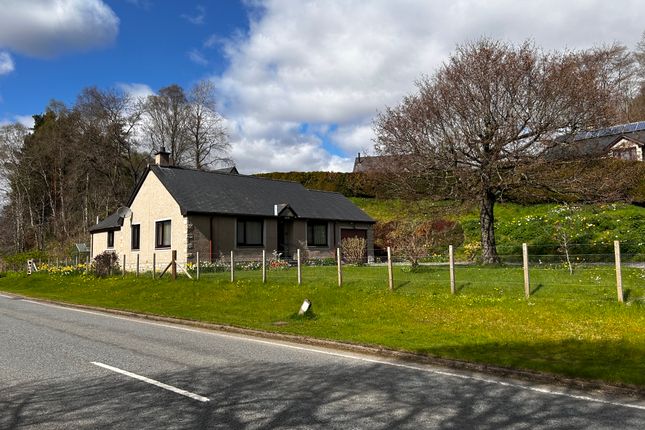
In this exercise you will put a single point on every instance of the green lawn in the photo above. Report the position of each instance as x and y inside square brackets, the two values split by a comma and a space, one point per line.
[572, 325]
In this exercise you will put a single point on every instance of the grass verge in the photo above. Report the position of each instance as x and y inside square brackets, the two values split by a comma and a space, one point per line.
[571, 326]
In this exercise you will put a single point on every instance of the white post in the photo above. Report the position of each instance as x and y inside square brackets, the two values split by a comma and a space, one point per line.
[299, 268]
[619, 275]
[264, 266]
[197, 266]
[340, 270]
[232, 267]
[451, 261]
[525, 261]
[390, 276]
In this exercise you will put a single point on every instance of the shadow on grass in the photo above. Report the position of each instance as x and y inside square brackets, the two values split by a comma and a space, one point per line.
[296, 394]
[399, 285]
[460, 287]
[536, 289]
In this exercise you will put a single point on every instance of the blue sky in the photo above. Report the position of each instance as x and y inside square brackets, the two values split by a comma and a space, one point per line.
[299, 81]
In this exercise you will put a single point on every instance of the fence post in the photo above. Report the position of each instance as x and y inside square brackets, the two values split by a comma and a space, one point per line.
[451, 261]
[264, 266]
[390, 277]
[619, 275]
[340, 270]
[87, 265]
[525, 263]
[299, 267]
[124, 265]
[154, 265]
[173, 265]
[197, 266]
[232, 267]
[137, 275]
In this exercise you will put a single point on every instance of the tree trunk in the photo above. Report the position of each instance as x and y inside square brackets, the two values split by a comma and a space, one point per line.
[487, 222]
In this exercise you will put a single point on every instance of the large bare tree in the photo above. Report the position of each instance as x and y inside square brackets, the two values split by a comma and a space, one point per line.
[166, 121]
[481, 121]
[207, 138]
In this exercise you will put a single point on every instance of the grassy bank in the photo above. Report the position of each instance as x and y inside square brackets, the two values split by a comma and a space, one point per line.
[571, 325]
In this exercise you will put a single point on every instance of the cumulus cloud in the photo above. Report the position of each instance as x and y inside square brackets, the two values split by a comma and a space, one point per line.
[135, 90]
[26, 120]
[6, 63]
[340, 62]
[46, 28]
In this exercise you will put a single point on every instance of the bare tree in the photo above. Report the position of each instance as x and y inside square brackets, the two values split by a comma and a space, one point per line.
[207, 138]
[166, 122]
[486, 115]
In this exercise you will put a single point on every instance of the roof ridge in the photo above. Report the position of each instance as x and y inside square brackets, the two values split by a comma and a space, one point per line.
[241, 175]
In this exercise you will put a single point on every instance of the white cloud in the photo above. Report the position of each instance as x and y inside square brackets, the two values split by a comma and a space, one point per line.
[198, 17]
[46, 28]
[340, 62]
[26, 120]
[135, 90]
[197, 57]
[6, 63]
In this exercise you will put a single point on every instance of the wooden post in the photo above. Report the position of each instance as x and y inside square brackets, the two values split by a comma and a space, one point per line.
[137, 266]
[197, 266]
[619, 275]
[173, 267]
[390, 276]
[154, 265]
[124, 265]
[525, 262]
[299, 268]
[232, 267]
[340, 270]
[264, 266]
[87, 265]
[451, 261]
[76, 260]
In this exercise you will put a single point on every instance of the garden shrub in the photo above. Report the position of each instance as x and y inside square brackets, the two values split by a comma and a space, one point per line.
[353, 250]
[106, 263]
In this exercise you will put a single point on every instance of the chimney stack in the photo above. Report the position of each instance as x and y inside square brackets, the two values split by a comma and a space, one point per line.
[162, 157]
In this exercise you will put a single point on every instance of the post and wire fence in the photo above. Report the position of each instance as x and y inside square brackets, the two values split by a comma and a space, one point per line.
[576, 271]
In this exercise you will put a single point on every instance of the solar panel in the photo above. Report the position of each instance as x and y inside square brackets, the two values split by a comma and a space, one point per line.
[594, 133]
[630, 127]
[640, 126]
[604, 132]
[616, 129]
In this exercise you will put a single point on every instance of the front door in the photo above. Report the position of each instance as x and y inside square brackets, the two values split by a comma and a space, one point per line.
[284, 227]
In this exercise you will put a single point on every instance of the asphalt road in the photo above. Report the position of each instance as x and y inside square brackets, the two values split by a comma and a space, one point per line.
[64, 368]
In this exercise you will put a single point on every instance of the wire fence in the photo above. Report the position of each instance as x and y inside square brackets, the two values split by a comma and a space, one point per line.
[598, 271]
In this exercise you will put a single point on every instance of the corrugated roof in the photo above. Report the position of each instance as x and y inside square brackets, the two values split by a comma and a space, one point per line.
[218, 193]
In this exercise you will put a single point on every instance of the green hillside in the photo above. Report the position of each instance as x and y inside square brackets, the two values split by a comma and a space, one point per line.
[590, 228]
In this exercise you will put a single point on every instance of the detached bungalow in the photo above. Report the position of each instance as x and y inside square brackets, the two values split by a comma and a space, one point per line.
[213, 213]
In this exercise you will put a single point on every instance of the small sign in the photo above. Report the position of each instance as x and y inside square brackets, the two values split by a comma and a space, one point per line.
[306, 305]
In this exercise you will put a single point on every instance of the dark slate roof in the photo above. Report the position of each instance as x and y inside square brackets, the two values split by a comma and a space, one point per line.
[232, 170]
[112, 222]
[218, 193]
[597, 143]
